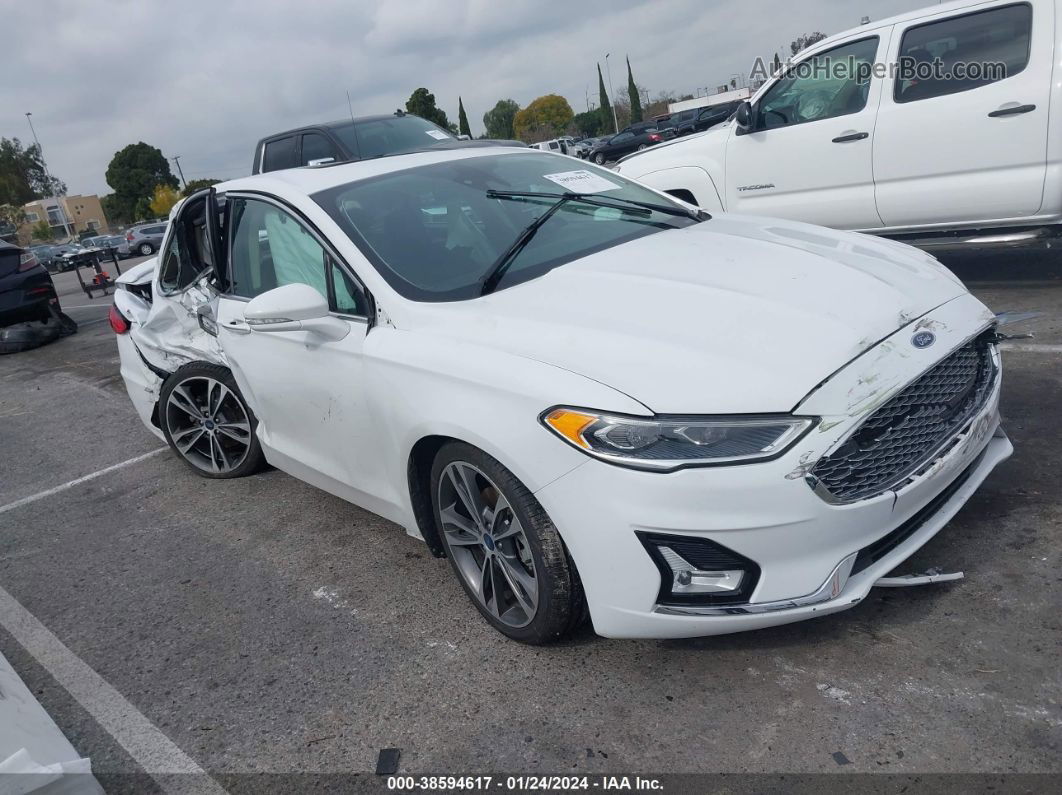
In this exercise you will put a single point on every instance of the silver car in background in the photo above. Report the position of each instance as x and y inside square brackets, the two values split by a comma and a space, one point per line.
[145, 239]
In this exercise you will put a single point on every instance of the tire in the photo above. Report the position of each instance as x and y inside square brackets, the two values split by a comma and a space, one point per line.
[201, 408]
[642, 146]
[145, 249]
[559, 602]
[599, 158]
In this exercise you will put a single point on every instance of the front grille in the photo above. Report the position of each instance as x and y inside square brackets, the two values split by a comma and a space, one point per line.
[899, 439]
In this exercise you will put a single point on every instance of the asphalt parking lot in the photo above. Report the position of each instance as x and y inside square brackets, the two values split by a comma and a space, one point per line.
[264, 626]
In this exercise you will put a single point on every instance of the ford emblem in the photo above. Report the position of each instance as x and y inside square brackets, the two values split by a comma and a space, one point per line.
[923, 339]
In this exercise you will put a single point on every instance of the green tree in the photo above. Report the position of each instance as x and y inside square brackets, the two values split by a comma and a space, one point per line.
[115, 211]
[11, 216]
[133, 174]
[462, 119]
[142, 209]
[545, 117]
[777, 65]
[499, 120]
[422, 103]
[41, 231]
[636, 98]
[588, 123]
[605, 109]
[198, 184]
[22, 174]
[805, 41]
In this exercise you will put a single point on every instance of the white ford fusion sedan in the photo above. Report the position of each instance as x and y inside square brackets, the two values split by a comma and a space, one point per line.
[593, 399]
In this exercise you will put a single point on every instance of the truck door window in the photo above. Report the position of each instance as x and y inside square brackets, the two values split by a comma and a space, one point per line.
[963, 53]
[833, 83]
[279, 154]
[316, 147]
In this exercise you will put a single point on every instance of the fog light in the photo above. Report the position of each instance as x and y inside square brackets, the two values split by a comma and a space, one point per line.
[695, 570]
[688, 579]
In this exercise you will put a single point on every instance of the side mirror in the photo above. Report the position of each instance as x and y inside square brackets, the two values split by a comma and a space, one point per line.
[743, 117]
[294, 307]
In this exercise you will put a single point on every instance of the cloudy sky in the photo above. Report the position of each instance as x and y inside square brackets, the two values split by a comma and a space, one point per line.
[206, 80]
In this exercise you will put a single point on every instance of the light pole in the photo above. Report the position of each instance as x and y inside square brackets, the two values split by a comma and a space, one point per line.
[177, 160]
[612, 93]
[48, 177]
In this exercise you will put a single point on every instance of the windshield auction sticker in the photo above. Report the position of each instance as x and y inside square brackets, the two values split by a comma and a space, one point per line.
[582, 181]
[438, 134]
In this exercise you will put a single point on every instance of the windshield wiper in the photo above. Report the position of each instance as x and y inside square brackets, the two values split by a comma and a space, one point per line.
[501, 265]
[603, 201]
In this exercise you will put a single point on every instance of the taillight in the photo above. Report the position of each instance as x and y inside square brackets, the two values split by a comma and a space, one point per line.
[654, 137]
[117, 320]
[27, 261]
[129, 236]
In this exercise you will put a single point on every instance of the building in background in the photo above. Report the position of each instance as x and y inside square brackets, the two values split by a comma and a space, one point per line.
[68, 216]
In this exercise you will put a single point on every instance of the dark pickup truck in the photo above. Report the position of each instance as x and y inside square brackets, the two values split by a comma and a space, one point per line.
[357, 139]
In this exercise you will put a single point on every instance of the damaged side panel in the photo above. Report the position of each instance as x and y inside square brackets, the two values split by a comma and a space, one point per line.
[164, 334]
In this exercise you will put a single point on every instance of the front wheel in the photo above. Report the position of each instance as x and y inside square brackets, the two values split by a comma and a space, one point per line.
[207, 422]
[503, 547]
[599, 158]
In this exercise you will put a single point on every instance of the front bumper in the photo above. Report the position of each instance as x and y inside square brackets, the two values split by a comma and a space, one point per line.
[804, 546]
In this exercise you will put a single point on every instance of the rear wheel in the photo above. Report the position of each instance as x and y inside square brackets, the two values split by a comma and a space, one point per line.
[207, 422]
[642, 146]
[146, 249]
[503, 547]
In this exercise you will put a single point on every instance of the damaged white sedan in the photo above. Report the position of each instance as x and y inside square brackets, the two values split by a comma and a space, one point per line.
[590, 397]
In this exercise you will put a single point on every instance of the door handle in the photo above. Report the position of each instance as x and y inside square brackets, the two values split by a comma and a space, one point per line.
[843, 139]
[237, 327]
[1011, 111]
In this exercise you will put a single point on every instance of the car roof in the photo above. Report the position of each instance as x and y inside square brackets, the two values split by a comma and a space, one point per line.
[909, 16]
[337, 124]
[312, 179]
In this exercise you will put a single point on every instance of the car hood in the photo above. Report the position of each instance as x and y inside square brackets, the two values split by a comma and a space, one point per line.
[733, 315]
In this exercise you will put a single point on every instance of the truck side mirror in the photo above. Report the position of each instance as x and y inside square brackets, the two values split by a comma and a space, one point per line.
[743, 117]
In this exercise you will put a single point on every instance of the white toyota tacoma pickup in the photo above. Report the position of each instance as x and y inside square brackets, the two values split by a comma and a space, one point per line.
[941, 127]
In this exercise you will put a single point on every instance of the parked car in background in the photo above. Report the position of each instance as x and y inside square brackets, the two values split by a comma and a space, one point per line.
[785, 414]
[55, 258]
[624, 143]
[703, 118]
[583, 147]
[357, 139]
[45, 255]
[105, 243]
[558, 146]
[144, 240]
[945, 157]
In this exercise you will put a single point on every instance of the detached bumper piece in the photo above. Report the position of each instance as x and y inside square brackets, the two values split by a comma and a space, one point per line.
[911, 580]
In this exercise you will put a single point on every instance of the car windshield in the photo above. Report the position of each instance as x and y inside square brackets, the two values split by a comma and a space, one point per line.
[389, 136]
[434, 234]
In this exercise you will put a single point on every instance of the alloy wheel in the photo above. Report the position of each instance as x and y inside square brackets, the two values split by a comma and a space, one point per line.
[208, 424]
[146, 249]
[488, 544]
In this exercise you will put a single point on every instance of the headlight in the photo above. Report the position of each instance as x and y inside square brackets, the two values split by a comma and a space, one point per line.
[666, 443]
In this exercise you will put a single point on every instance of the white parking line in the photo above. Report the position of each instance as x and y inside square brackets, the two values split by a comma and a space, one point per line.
[141, 739]
[1031, 347]
[77, 481]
